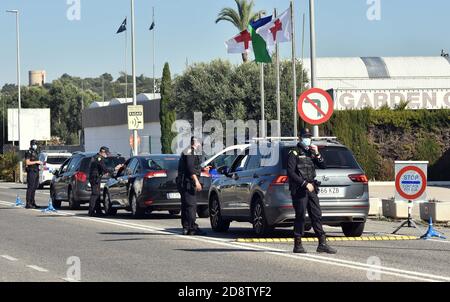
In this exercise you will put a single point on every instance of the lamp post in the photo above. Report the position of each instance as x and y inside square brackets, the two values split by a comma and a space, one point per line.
[133, 62]
[16, 12]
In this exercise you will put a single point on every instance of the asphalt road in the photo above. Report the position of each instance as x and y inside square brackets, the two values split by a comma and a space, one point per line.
[36, 246]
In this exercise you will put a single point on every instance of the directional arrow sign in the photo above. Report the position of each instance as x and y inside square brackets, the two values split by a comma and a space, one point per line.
[315, 106]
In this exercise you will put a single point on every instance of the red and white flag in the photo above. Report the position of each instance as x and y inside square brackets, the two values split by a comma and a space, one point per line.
[241, 43]
[279, 30]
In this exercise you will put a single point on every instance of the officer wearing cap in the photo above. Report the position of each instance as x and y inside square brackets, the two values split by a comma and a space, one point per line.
[304, 189]
[32, 168]
[188, 182]
[96, 171]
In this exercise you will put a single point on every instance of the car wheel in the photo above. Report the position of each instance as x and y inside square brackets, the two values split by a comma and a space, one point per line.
[136, 211]
[73, 204]
[56, 203]
[353, 229]
[259, 220]
[109, 210]
[174, 212]
[203, 212]
[218, 224]
[40, 187]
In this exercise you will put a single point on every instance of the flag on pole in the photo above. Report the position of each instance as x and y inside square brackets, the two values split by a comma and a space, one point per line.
[122, 27]
[152, 27]
[241, 43]
[278, 30]
[260, 49]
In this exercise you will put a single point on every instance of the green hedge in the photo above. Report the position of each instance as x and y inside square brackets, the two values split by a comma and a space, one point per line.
[379, 137]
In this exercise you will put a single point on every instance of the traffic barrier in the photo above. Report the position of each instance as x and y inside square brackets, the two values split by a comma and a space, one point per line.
[19, 202]
[431, 232]
[50, 208]
[332, 239]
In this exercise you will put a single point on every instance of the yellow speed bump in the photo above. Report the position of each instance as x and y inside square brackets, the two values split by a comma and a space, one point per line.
[331, 239]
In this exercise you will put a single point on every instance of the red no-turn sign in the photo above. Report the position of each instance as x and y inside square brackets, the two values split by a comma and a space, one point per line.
[315, 106]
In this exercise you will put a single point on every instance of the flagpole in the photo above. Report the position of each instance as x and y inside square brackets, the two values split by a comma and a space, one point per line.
[263, 113]
[294, 71]
[303, 59]
[277, 57]
[126, 64]
[154, 50]
[133, 63]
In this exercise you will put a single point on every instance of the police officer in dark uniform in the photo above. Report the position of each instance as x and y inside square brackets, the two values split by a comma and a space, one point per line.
[188, 182]
[96, 171]
[304, 189]
[32, 168]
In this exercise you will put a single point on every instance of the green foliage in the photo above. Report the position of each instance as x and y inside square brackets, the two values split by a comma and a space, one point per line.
[222, 91]
[167, 116]
[8, 166]
[417, 135]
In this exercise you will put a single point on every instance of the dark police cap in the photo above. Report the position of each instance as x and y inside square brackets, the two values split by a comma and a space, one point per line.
[305, 133]
[104, 149]
[33, 142]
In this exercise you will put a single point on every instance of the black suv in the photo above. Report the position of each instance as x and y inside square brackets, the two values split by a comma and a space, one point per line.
[71, 181]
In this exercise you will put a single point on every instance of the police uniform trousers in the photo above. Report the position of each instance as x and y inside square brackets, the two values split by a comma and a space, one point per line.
[94, 203]
[188, 207]
[304, 200]
[32, 185]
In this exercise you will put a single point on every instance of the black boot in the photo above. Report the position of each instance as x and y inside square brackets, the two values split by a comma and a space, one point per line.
[298, 247]
[324, 247]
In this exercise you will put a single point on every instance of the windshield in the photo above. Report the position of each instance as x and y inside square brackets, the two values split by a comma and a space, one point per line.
[162, 163]
[335, 157]
[59, 160]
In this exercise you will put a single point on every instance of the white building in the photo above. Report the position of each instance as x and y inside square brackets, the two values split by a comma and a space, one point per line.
[106, 124]
[356, 83]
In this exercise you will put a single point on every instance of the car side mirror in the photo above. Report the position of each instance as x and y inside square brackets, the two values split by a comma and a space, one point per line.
[56, 173]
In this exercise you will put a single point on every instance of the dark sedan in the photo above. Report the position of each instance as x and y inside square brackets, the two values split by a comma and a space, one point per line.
[146, 184]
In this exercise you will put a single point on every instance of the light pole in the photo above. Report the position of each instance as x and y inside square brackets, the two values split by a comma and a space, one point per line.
[313, 54]
[16, 12]
[133, 63]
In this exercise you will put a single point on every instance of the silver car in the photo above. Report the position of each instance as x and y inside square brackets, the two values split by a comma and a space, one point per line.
[250, 191]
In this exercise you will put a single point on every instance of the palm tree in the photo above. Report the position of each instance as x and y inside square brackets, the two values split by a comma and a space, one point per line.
[241, 17]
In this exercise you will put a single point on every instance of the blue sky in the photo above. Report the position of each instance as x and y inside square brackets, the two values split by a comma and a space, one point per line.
[186, 30]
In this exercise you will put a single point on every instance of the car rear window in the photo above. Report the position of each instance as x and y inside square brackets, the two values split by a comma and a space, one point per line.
[161, 163]
[56, 160]
[335, 157]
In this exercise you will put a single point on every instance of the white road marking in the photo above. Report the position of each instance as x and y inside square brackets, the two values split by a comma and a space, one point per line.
[278, 252]
[70, 280]
[7, 257]
[38, 268]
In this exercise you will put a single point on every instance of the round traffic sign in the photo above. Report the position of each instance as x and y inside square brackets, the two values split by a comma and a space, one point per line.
[315, 106]
[411, 183]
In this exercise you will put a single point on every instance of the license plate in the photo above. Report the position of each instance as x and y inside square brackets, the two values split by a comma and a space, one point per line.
[173, 196]
[331, 192]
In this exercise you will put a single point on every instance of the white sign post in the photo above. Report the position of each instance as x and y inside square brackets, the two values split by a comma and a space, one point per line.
[410, 186]
[136, 117]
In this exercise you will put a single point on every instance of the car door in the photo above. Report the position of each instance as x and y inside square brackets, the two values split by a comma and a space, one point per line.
[115, 183]
[245, 181]
[229, 200]
[124, 184]
[59, 185]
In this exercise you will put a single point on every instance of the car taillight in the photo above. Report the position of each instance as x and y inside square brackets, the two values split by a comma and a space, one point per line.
[156, 174]
[359, 178]
[280, 180]
[81, 176]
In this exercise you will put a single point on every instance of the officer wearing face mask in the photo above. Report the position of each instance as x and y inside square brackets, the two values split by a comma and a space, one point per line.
[32, 168]
[188, 183]
[304, 189]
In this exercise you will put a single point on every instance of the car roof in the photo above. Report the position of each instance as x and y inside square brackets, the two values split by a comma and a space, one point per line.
[157, 156]
[53, 154]
[91, 154]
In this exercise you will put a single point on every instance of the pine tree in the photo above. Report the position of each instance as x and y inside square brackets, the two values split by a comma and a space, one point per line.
[167, 117]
